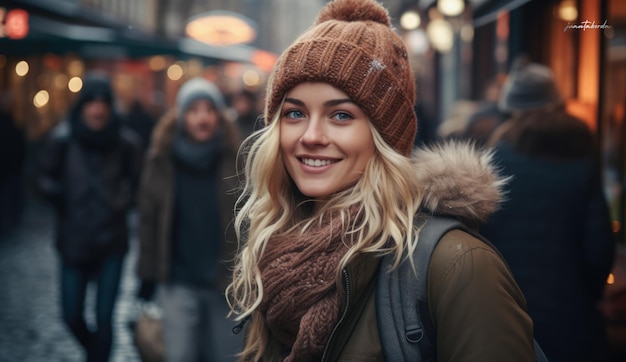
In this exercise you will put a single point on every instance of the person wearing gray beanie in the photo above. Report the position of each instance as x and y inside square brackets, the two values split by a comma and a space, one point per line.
[555, 220]
[200, 105]
[198, 88]
[529, 86]
[184, 209]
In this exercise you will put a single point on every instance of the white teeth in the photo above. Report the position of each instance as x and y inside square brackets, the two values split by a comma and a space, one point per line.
[316, 163]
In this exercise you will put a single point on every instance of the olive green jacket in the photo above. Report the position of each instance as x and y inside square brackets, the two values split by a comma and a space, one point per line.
[477, 308]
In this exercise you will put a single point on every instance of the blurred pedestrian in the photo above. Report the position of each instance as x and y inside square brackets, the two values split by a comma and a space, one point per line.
[184, 209]
[456, 123]
[140, 120]
[489, 116]
[554, 227]
[333, 185]
[529, 86]
[12, 157]
[474, 120]
[244, 104]
[89, 169]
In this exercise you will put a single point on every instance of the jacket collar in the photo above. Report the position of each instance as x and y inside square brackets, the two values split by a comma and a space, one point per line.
[459, 180]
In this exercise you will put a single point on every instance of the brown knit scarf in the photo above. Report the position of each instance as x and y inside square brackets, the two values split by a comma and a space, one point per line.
[301, 302]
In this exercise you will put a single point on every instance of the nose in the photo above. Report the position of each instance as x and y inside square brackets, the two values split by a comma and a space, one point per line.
[315, 133]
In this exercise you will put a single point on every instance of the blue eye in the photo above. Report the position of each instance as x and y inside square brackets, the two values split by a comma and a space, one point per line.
[294, 114]
[342, 116]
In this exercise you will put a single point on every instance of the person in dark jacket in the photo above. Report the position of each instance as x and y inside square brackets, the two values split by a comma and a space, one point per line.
[185, 204]
[244, 103]
[554, 227]
[89, 169]
[141, 121]
[12, 157]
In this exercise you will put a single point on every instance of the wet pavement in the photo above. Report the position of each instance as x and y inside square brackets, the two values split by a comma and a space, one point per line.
[31, 329]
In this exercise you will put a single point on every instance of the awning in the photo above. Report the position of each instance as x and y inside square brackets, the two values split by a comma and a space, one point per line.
[48, 35]
[235, 53]
[62, 35]
[485, 11]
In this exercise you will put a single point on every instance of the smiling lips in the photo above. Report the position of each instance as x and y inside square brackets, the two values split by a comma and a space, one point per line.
[316, 162]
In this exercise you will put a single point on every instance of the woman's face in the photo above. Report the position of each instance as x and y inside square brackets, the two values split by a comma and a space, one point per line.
[325, 139]
[201, 120]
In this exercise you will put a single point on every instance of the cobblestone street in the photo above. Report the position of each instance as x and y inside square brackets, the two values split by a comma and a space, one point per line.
[32, 330]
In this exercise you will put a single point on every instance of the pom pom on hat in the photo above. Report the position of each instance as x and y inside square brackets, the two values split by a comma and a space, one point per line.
[353, 10]
[353, 48]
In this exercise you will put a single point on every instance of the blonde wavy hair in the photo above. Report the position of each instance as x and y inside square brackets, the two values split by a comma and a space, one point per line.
[387, 197]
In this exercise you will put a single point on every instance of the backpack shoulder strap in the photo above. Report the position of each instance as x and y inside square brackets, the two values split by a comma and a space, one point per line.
[406, 331]
[402, 312]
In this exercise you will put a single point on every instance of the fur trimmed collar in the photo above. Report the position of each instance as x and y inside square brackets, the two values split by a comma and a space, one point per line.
[459, 180]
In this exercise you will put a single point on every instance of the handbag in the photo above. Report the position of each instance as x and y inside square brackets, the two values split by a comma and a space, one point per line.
[148, 335]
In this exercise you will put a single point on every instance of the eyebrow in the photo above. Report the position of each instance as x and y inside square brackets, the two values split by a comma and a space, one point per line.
[330, 103]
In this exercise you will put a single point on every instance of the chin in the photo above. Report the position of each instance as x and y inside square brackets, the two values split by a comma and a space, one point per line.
[205, 137]
[316, 195]
[315, 192]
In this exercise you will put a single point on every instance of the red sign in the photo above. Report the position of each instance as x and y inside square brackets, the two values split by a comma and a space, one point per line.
[16, 24]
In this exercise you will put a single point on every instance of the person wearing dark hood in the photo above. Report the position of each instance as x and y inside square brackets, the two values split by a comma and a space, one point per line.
[89, 169]
[184, 208]
[12, 157]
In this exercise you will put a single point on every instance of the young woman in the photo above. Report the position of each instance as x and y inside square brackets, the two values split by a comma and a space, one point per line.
[331, 187]
[184, 206]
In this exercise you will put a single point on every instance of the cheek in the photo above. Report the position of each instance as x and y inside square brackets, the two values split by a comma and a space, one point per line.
[283, 138]
[364, 151]
[213, 119]
[365, 159]
[190, 123]
[284, 151]
[286, 146]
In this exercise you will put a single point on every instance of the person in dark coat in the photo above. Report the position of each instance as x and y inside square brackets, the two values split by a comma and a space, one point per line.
[244, 104]
[88, 169]
[12, 157]
[185, 204]
[554, 227]
[141, 121]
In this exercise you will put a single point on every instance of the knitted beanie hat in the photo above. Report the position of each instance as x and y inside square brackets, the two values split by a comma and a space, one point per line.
[529, 86]
[353, 47]
[195, 89]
